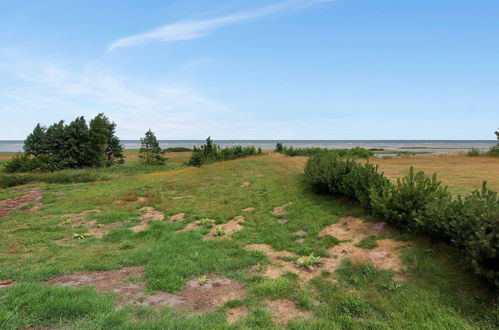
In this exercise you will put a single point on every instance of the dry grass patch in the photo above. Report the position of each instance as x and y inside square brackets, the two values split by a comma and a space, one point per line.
[284, 310]
[229, 228]
[11, 204]
[249, 209]
[236, 314]
[280, 210]
[177, 217]
[245, 184]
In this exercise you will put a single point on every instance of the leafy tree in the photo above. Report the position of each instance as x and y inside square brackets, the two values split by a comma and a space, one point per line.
[36, 143]
[104, 147]
[497, 134]
[150, 151]
[77, 147]
[56, 143]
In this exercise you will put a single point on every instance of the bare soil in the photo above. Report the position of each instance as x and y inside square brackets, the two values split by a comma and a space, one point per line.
[235, 314]
[177, 217]
[284, 310]
[126, 283]
[6, 283]
[234, 225]
[9, 205]
[183, 197]
[249, 209]
[148, 214]
[280, 210]
[245, 184]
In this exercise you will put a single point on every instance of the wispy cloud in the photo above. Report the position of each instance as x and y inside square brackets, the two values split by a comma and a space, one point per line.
[188, 30]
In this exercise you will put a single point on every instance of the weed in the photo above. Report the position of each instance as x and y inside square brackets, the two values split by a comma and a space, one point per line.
[309, 262]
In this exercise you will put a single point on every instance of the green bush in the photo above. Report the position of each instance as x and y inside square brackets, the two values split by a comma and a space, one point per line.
[473, 152]
[418, 203]
[406, 202]
[24, 163]
[178, 149]
[210, 152]
[494, 151]
[356, 152]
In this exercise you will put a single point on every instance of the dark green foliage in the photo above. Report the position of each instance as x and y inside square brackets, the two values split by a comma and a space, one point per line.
[74, 146]
[356, 152]
[418, 203]
[150, 151]
[178, 149]
[36, 143]
[329, 173]
[494, 151]
[405, 204]
[210, 152]
[473, 152]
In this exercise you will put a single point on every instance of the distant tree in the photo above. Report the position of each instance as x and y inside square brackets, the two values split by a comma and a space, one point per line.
[105, 148]
[497, 134]
[150, 151]
[36, 143]
[56, 144]
[76, 144]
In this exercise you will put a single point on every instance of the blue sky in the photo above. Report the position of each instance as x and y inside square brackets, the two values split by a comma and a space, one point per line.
[277, 69]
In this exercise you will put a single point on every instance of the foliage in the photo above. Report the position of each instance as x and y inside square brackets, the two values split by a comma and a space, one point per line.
[309, 262]
[178, 149]
[418, 203]
[210, 152]
[76, 145]
[150, 151]
[473, 152]
[356, 152]
[494, 151]
[219, 231]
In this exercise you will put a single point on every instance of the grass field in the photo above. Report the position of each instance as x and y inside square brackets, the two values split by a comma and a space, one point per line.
[141, 251]
[461, 173]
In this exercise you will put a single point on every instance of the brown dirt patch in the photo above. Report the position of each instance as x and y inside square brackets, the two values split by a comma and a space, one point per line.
[280, 210]
[177, 217]
[148, 214]
[351, 228]
[142, 200]
[170, 192]
[37, 207]
[245, 184]
[183, 197]
[211, 295]
[6, 283]
[96, 230]
[29, 195]
[284, 310]
[234, 225]
[249, 209]
[130, 198]
[199, 298]
[386, 255]
[79, 216]
[235, 314]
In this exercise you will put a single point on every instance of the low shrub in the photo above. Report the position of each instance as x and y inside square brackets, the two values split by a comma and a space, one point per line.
[23, 163]
[473, 152]
[210, 152]
[178, 149]
[356, 152]
[418, 203]
[406, 202]
[494, 151]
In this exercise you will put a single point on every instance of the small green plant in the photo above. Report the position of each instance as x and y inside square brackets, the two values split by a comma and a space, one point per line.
[219, 231]
[309, 262]
[81, 236]
[202, 280]
[203, 222]
[473, 152]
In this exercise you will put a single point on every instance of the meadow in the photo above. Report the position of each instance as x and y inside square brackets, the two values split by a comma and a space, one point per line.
[230, 245]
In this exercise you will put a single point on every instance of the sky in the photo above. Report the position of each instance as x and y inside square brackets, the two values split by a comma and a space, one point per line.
[275, 69]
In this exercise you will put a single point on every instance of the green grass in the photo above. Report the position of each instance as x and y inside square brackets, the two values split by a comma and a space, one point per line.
[438, 293]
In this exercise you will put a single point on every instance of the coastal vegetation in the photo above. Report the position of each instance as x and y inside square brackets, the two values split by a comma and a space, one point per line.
[210, 152]
[144, 250]
[418, 203]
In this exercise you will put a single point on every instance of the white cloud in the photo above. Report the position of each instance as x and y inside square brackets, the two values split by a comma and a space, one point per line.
[188, 30]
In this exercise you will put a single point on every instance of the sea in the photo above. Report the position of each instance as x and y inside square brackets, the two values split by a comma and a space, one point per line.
[433, 146]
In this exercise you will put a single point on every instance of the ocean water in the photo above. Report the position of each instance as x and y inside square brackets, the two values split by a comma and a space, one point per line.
[437, 146]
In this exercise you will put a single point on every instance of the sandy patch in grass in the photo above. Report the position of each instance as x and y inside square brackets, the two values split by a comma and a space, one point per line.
[235, 314]
[96, 230]
[142, 200]
[249, 209]
[79, 216]
[148, 214]
[351, 228]
[194, 225]
[280, 210]
[177, 217]
[170, 192]
[245, 184]
[9, 205]
[284, 310]
[126, 283]
[6, 283]
[183, 197]
[230, 227]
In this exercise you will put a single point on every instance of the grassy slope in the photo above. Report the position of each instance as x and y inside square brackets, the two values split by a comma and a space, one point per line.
[439, 293]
